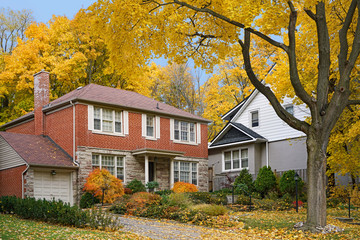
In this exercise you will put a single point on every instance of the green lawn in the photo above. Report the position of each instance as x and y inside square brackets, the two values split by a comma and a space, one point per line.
[12, 227]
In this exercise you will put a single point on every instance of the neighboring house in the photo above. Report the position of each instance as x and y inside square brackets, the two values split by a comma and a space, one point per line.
[49, 152]
[255, 137]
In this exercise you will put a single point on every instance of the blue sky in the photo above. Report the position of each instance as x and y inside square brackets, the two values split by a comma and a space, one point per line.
[43, 10]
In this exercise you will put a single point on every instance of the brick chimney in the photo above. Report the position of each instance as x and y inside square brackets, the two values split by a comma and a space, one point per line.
[41, 98]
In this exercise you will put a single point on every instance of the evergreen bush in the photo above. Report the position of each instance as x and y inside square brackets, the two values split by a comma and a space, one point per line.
[136, 186]
[88, 200]
[246, 179]
[265, 181]
[288, 185]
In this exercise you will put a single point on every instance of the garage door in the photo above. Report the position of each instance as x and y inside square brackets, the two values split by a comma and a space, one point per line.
[50, 186]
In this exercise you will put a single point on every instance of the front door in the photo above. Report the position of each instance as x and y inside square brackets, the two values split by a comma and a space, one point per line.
[151, 171]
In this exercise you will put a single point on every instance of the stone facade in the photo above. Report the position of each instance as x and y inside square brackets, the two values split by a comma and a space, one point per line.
[135, 167]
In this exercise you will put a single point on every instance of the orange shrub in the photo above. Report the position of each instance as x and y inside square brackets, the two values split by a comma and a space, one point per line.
[181, 187]
[141, 200]
[99, 180]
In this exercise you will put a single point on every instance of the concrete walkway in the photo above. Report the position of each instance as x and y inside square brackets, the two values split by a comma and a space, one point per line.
[167, 229]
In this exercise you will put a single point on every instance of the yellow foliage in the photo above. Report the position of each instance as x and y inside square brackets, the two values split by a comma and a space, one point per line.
[181, 187]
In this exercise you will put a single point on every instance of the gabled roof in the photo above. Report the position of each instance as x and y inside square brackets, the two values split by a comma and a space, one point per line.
[235, 133]
[38, 150]
[112, 96]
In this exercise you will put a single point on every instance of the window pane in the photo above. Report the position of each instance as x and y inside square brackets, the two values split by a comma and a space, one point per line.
[176, 166]
[192, 132]
[107, 114]
[120, 173]
[194, 178]
[176, 176]
[107, 126]
[244, 158]
[290, 109]
[120, 161]
[227, 165]
[118, 127]
[227, 156]
[95, 160]
[107, 161]
[194, 167]
[176, 135]
[117, 116]
[184, 131]
[184, 166]
[184, 176]
[117, 121]
[255, 119]
[97, 119]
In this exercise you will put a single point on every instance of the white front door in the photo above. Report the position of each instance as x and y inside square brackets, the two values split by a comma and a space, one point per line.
[51, 187]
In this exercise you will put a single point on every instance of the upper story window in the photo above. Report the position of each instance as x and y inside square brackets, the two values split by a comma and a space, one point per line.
[184, 131]
[107, 120]
[114, 164]
[236, 159]
[254, 119]
[290, 109]
[150, 125]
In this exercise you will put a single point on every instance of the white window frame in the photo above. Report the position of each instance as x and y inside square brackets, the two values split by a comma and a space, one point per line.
[117, 116]
[116, 166]
[156, 126]
[150, 119]
[185, 132]
[240, 159]
[191, 172]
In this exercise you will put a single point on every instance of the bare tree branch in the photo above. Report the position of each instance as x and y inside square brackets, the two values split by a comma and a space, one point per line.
[266, 91]
[294, 74]
[310, 14]
[235, 23]
[323, 84]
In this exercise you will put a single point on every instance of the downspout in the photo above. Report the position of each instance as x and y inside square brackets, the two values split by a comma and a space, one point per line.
[74, 148]
[22, 181]
[267, 153]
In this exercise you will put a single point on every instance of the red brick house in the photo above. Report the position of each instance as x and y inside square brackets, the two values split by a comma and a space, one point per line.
[49, 152]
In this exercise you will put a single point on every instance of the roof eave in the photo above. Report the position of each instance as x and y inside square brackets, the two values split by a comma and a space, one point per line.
[18, 120]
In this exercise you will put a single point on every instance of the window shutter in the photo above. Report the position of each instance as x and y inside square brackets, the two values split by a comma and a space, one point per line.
[198, 133]
[126, 122]
[143, 125]
[157, 126]
[90, 117]
[171, 129]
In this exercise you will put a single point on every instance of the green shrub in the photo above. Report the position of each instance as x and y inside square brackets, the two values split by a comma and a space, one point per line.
[244, 179]
[165, 192]
[152, 185]
[119, 208]
[88, 200]
[179, 199]
[273, 195]
[210, 209]
[287, 198]
[209, 198]
[7, 204]
[243, 200]
[136, 186]
[288, 184]
[265, 181]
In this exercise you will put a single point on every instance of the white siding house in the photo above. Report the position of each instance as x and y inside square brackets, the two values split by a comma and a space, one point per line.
[255, 137]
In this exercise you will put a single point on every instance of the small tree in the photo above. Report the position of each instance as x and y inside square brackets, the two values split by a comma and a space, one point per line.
[288, 184]
[102, 184]
[181, 187]
[265, 181]
[246, 179]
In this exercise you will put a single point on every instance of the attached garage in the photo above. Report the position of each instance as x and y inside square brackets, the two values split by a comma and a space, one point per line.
[53, 186]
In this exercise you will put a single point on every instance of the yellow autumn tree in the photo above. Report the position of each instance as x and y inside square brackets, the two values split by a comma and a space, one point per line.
[104, 185]
[315, 45]
[75, 55]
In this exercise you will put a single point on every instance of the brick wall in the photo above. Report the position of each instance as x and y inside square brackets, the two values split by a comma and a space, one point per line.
[134, 140]
[59, 127]
[25, 128]
[10, 181]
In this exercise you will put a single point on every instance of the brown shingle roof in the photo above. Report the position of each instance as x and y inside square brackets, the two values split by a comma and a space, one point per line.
[38, 150]
[127, 99]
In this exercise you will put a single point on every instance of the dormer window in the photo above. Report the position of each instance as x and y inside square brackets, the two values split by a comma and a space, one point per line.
[254, 119]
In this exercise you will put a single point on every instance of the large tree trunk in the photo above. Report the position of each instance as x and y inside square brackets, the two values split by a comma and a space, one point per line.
[316, 182]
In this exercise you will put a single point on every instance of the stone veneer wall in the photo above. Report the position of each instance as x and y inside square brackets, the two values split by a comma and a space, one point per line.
[135, 167]
[29, 183]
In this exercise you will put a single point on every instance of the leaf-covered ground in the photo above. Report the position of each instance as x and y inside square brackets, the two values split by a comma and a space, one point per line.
[252, 225]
